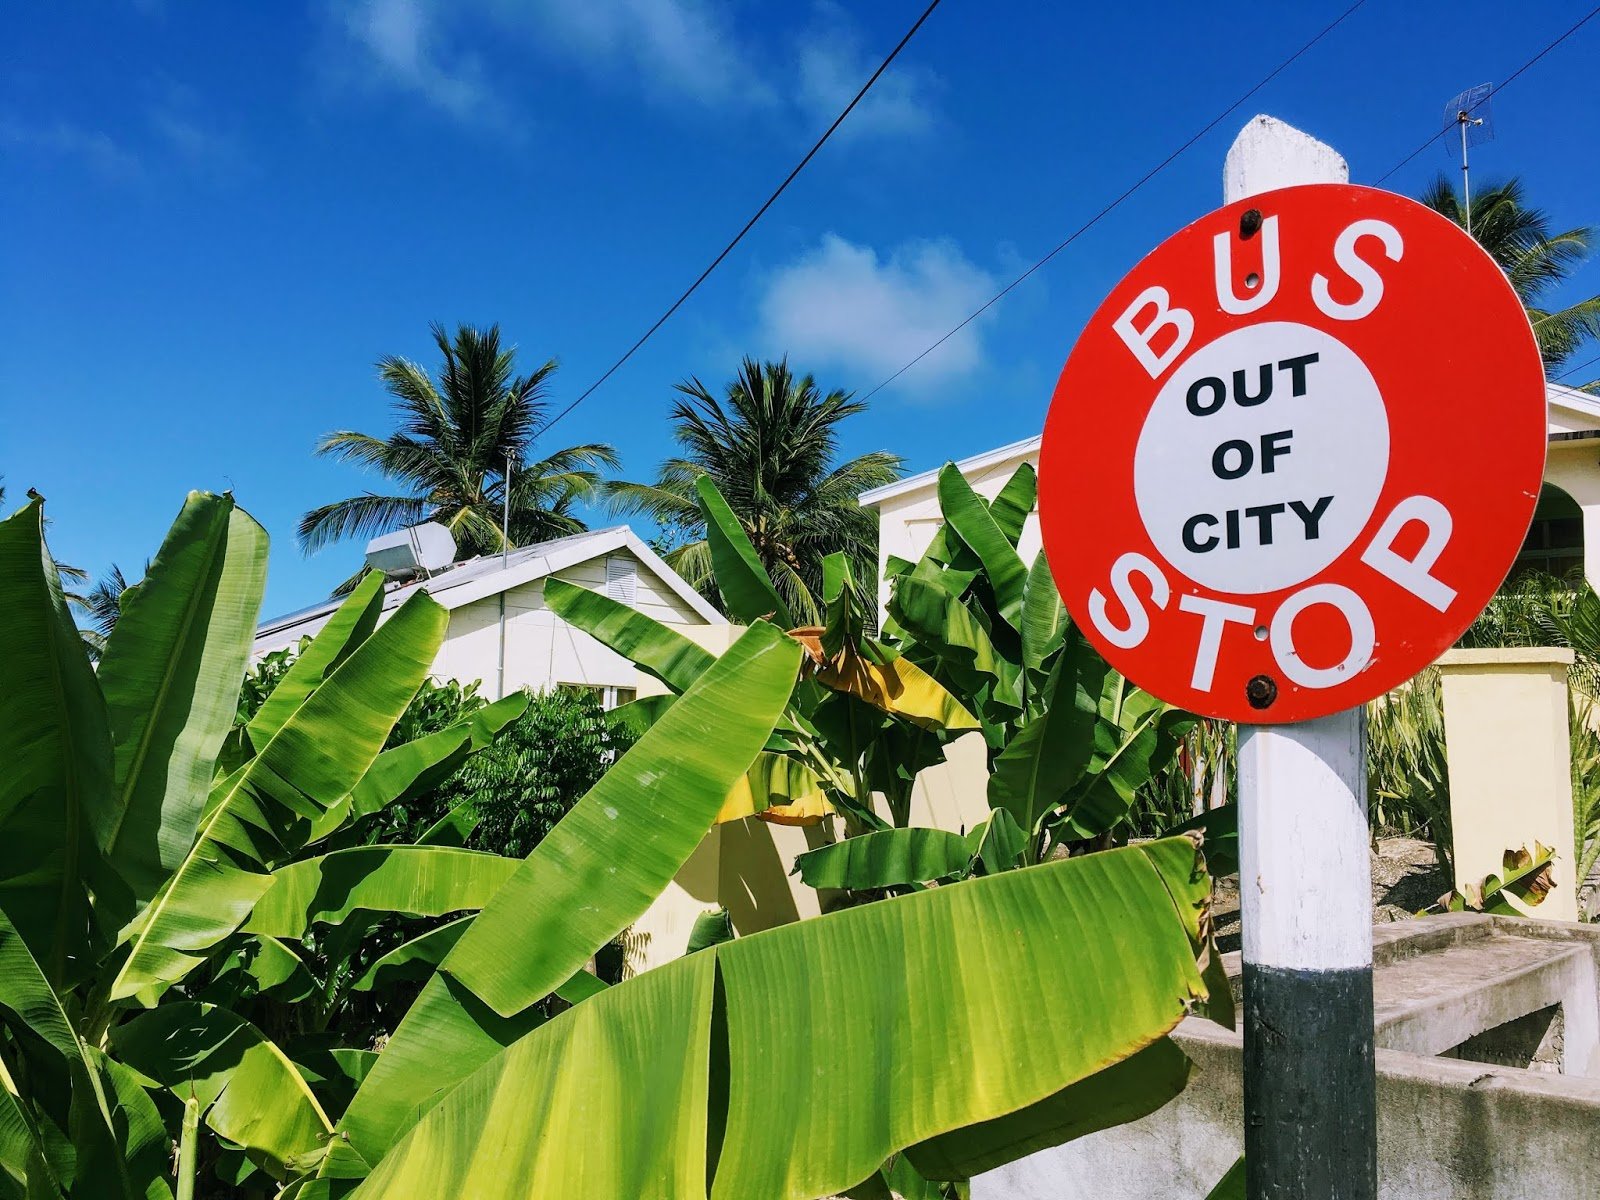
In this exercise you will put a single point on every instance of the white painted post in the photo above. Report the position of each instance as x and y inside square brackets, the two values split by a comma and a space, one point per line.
[1305, 881]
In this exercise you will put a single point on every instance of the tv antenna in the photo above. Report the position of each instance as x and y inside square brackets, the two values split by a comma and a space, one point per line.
[1471, 114]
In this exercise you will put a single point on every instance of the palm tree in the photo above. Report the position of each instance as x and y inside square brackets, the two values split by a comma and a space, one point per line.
[771, 449]
[449, 454]
[1535, 260]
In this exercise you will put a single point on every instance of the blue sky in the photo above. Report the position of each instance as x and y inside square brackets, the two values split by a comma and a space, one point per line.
[218, 216]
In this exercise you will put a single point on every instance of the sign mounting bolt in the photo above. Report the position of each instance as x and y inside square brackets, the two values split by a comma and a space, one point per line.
[1249, 224]
[1261, 691]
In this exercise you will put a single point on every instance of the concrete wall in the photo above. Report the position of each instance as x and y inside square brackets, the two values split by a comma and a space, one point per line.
[1448, 1129]
[1508, 751]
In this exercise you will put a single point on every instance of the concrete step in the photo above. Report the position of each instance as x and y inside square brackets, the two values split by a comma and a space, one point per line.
[1433, 1001]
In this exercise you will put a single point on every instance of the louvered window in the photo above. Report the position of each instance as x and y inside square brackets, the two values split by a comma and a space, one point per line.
[622, 579]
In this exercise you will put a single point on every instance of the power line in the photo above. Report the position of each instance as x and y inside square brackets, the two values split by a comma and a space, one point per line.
[1588, 362]
[1494, 91]
[1139, 183]
[750, 224]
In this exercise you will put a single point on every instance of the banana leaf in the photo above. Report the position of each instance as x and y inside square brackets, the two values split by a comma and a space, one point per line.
[272, 968]
[591, 877]
[1220, 828]
[65, 1072]
[170, 672]
[944, 625]
[999, 843]
[710, 929]
[1044, 617]
[636, 716]
[776, 786]
[411, 769]
[844, 625]
[747, 592]
[350, 625]
[1048, 756]
[967, 513]
[887, 858]
[654, 648]
[263, 810]
[896, 685]
[250, 1092]
[418, 881]
[57, 798]
[413, 960]
[1137, 736]
[685, 1067]
[1231, 1185]
[1014, 502]
[1123, 1092]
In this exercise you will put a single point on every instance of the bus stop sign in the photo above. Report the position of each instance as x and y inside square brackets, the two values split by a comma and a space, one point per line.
[1293, 454]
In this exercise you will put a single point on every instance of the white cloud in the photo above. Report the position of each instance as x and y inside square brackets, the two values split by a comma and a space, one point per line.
[844, 305]
[405, 43]
[832, 67]
[687, 52]
[679, 47]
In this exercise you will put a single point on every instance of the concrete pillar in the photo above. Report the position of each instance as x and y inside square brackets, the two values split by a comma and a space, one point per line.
[1510, 764]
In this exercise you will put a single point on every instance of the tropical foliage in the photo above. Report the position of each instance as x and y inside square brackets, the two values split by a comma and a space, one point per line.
[186, 896]
[448, 456]
[166, 872]
[1536, 259]
[770, 448]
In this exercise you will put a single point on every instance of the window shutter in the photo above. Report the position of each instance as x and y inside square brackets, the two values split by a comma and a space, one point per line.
[622, 579]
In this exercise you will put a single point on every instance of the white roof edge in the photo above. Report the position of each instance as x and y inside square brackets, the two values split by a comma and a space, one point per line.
[581, 548]
[965, 465]
[1574, 401]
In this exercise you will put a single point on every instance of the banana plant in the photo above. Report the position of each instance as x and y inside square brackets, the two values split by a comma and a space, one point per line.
[161, 866]
[1069, 741]
[678, 1084]
[863, 719]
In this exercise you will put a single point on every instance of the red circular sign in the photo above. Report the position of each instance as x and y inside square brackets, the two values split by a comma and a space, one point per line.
[1293, 454]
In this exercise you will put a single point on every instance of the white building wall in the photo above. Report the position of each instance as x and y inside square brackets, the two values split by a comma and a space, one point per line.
[542, 650]
[907, 520]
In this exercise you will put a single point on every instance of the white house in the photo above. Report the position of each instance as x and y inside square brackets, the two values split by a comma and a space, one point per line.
[540, 650]
[1565, 532]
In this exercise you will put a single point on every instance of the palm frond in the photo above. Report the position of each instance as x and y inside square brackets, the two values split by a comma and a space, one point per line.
[363, 517]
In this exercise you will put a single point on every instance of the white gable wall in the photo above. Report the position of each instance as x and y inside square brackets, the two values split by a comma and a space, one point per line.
[542, 650]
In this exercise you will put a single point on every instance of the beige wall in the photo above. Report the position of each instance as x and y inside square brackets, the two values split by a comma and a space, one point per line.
[1509, 759]
[742, 866]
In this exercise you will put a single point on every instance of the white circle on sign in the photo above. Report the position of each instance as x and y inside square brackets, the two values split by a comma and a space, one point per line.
[1262, 458]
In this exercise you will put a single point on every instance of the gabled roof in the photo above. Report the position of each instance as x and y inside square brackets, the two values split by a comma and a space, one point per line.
[1570, 402]
[477, 578]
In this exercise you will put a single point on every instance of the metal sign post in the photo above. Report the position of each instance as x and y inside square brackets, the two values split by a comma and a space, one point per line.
[1274, 484]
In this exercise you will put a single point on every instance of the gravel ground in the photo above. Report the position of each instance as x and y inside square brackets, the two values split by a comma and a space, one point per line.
[1406, 878]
